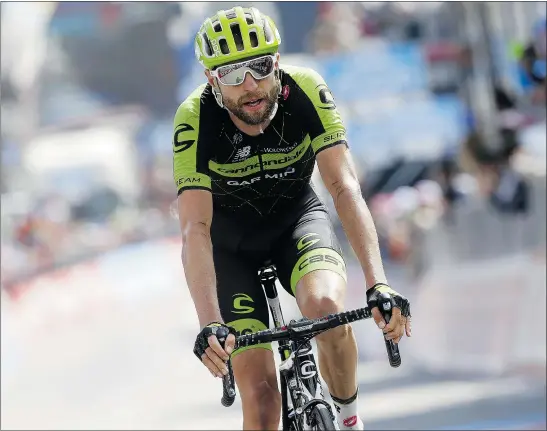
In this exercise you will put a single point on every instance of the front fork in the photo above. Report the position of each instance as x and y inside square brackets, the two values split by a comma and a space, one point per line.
[303, 395]
[291, 386]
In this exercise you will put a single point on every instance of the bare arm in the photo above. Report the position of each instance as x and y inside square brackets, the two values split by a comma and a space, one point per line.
[195, 216]
[338, 173]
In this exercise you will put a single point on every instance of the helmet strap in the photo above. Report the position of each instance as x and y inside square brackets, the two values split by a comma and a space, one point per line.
[217, 94]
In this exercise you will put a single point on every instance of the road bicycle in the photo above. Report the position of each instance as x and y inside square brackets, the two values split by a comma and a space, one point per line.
[303, 403]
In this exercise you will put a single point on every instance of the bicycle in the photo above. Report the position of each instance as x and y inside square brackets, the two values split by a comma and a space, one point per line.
[299, 379]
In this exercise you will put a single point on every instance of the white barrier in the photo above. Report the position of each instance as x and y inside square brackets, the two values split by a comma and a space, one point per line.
[484, 317]
[123, 276]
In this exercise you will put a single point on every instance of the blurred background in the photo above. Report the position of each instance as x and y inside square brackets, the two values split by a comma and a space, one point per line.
[445, 108]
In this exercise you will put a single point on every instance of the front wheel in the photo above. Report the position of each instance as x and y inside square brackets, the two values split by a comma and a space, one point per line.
[321, 418]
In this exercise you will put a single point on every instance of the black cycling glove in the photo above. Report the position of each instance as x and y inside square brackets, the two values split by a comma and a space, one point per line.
[220, 330]
[399, 300]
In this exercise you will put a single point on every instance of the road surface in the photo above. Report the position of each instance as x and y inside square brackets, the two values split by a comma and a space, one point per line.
[92, 359]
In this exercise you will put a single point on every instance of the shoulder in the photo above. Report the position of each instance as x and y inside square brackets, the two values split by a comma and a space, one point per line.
[302, 74]
[306, 78]
[192, 106]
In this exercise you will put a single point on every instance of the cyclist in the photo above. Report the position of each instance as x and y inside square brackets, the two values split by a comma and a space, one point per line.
[245, 145]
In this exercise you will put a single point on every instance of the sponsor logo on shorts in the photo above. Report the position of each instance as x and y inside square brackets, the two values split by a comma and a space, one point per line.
[305, 242]
[320, 258]
[239, 307]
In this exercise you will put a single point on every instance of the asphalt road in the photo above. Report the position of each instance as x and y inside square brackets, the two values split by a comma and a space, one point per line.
[94, 360]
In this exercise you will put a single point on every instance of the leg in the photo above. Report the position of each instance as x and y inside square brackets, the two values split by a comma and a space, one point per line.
[256, 378]
[244, 307]
[311, 264]
[320, 293]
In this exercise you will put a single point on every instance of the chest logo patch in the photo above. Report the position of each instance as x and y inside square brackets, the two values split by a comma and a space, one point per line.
[242, 153]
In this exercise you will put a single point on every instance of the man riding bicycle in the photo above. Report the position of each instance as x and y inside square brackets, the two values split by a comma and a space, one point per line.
[245, 146]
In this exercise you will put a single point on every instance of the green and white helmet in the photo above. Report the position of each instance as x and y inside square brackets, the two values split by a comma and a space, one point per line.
[235, 34]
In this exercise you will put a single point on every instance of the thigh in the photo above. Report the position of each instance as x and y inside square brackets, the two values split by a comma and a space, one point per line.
[310, 245]
[241, 298]
[243, 306]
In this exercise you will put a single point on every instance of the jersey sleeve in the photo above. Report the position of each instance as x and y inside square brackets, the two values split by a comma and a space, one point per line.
[324, 121]
[190, 167]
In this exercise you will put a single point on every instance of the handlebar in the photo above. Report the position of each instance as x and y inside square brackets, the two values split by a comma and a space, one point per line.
[299, 329]
[304, 328]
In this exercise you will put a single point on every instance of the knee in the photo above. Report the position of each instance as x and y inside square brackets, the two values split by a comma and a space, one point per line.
[320, 305]
[265, 401]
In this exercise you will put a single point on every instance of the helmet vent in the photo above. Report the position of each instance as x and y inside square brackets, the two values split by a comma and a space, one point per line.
[238, 39]
[231, 14]
[254, 38]
[268, 33]
[207, 45]
[249, 19]
[217, 26]
[223, 46]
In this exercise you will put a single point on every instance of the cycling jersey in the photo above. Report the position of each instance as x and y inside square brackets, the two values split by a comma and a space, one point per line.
[255, 176]
[264, 205]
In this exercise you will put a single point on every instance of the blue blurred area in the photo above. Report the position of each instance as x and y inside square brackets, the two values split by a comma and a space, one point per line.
[376, 70]
[386, 85]
[103, 59]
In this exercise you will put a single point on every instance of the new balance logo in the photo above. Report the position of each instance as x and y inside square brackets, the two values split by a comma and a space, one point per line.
[242, 154]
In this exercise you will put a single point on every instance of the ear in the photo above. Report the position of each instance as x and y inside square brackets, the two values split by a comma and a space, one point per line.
[210, 78]
[277, 56]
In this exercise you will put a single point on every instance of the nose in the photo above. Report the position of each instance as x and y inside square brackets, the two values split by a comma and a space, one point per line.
[249, 83]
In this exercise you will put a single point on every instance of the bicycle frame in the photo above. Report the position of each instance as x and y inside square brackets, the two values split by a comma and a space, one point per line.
[300, 383]
[299, 377]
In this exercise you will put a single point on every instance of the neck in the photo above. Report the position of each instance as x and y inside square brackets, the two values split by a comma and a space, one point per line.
[253, 130]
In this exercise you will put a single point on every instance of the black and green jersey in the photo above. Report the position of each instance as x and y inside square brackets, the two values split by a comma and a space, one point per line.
[260, 175]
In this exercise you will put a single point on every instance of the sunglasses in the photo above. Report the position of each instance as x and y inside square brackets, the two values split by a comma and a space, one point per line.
[234, 74]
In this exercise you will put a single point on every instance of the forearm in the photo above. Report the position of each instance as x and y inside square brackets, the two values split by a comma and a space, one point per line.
[361, 232]
[197, 259]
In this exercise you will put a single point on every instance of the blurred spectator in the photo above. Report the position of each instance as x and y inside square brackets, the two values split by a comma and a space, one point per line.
[533, 60]
[337, 29]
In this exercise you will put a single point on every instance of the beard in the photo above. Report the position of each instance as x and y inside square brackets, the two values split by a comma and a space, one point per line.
[254, 118]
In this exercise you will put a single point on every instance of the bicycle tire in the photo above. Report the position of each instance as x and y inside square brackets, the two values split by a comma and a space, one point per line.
[322, 419]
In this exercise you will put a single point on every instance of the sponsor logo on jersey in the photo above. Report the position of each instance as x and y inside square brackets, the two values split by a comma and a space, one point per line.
[326, 97]
[238, 138]
[242, 153]
[188, 181]
[181, 141]
[267, 176]
[281, 149]
[334, 137]
[285, 92]
[255, 166]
